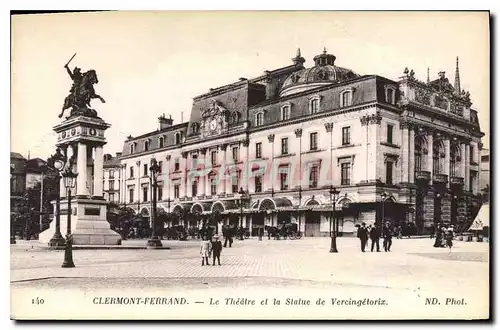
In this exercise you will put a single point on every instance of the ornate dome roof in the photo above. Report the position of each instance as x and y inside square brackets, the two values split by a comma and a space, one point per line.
[323, 73]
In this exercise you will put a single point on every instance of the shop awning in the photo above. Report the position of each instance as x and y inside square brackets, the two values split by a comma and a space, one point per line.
[223, 206]
[185, 207]
[201, 208]
[482, 218]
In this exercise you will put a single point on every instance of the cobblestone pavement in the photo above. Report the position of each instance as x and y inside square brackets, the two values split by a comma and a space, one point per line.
[413, 268]
[306, 259]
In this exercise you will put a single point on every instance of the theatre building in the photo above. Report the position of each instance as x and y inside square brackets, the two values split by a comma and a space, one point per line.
[268, 150]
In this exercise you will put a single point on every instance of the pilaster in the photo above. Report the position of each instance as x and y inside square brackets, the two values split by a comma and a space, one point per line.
[447, 158]
[404, 152]
[467, 167]
[430, 153]
[411, 158]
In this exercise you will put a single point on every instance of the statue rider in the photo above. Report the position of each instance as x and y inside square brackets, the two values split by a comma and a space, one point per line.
[76, 76]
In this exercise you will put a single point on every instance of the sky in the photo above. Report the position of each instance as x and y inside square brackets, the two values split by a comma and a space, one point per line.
[150, 63]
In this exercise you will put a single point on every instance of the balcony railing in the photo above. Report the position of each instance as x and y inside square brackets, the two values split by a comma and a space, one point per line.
[456, 180]
[440, 178]
[423, 175]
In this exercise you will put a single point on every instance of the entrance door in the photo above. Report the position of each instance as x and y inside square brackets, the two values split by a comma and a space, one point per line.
[312, 224]
[257, 224]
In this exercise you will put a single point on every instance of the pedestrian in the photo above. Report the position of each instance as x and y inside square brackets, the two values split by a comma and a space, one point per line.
[363, 236]
[439, 237]
[449, 238]
[205, 250]
[387, 232]
[216, 249]
[375, 237]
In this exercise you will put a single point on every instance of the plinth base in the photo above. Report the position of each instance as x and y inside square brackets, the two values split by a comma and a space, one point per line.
[88, 224]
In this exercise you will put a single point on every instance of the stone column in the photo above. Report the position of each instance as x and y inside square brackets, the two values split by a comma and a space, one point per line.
[478, 160]
[244, 168]
[228, 175]
[81, 168]
[183, 167]
[373, 167]
[467, 167]
[404, 153]
[202, 174]
[206, 178]
[462, 160]
[430, 153]
[222, 169]
[411, 160]
[139, 187]
[98, 168]
[447, 158]
[168, 180]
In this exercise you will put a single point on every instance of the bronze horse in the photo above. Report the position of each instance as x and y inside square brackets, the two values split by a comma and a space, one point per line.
[81, 93]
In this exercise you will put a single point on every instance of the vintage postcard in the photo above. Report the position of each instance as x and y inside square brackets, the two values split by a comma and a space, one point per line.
[250, 165]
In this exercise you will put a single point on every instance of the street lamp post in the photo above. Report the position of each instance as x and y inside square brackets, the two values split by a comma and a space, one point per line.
[242, 198]
[383, 196]
[57, 161]
[333, 244]
[154, 169]
[69, 182]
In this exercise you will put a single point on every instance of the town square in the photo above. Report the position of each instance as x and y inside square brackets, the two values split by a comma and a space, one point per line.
[309, 178]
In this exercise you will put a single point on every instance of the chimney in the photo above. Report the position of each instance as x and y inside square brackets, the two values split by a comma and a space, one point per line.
[118, 154]
[165, 122]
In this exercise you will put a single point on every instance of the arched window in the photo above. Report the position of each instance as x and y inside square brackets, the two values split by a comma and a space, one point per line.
[132, 148]
[259, 119]
[146, 145]
[285, 112]
[161, 141]
[346, 98]
[195, 128]
[314, 104]
[455, 160]
[390, 95]
[178, 138]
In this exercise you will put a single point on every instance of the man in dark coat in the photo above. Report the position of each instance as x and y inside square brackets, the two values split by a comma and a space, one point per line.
[216, 249]
[375, 237]
[387, 232]
[363, 236]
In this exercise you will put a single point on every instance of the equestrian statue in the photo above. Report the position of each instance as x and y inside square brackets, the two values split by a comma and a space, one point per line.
[81, 92]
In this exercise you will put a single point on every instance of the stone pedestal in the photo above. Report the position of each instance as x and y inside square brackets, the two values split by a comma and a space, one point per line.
[88, 223]
[82, 139]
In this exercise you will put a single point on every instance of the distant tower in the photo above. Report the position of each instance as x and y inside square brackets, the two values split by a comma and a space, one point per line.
[457, 80]
[428, 77]
[298, 60]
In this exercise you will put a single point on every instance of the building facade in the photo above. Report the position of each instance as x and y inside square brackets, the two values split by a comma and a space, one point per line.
[17, 180]
[112, 178]
[269, 150]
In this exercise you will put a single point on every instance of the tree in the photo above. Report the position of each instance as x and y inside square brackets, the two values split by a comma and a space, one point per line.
[120, 218]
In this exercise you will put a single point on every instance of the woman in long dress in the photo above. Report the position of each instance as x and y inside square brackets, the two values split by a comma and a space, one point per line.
[439, 237]
[204, 250]
[449, 238]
